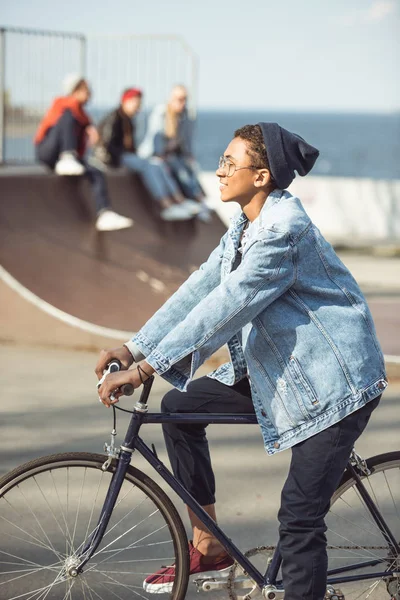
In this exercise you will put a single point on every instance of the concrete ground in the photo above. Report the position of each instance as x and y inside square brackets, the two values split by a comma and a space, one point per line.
[49, 404]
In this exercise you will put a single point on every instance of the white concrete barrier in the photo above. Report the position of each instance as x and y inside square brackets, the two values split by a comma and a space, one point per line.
[352, 212]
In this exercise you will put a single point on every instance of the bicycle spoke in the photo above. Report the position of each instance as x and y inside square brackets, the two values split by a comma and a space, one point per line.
[38, 522]
[39, 543]
[124, 534]
[130, 547]
[128, 587]
[26, 595]
[85, 537]
[47, 518]
[79, 506]
[391, 495]
[354, 537]
[126, 515]
[113, 593]
[67, 532]
[366, 517]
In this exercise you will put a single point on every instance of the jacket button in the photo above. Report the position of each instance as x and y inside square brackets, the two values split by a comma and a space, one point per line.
[381, 385]
[264, 414]
[277, 445]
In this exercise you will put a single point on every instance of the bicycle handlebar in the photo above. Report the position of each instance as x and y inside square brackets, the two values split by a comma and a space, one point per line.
[127, 389]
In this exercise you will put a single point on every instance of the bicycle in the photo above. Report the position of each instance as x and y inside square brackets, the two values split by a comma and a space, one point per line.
[90, 526]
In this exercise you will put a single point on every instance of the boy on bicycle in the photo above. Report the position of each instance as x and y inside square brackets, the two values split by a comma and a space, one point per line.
[304, 355]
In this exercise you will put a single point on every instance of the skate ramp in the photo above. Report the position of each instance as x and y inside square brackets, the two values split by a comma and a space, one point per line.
[65, 284]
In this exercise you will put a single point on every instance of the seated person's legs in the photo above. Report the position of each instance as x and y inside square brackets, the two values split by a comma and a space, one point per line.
[156, 181]
[58, 149]
[189, 183]
[107, 219]
[186, 177]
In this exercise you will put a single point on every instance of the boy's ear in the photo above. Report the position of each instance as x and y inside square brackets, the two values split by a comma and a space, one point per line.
[263, 178]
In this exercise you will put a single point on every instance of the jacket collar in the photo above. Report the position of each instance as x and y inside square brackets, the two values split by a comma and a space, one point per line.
[239, 220]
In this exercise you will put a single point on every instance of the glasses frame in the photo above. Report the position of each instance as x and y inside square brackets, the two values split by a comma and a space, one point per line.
[225, 165]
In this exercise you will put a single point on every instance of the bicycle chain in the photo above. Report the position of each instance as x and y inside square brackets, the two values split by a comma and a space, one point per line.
[260, 549]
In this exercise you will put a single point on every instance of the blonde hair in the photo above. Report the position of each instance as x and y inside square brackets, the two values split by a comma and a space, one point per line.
[171, 116]
[171, 123]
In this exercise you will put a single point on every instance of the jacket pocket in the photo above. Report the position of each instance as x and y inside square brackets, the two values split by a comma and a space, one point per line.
[302, 382]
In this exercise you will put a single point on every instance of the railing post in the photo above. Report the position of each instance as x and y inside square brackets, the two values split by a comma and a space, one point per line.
[83, 55]
[2, 94]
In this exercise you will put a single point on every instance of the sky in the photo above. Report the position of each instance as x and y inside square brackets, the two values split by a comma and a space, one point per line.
[314, 55]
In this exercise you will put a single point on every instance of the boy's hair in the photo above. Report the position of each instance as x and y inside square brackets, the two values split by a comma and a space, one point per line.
[252, 134]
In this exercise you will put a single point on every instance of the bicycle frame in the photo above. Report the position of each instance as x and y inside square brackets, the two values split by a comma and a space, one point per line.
[133, 443]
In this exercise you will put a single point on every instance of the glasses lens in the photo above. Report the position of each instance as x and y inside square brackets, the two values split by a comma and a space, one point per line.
[230, 169]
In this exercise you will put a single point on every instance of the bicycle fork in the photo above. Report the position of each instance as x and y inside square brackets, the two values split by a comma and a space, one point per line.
[91, 545]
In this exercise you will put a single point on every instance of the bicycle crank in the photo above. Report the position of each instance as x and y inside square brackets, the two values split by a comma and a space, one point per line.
[241, 587]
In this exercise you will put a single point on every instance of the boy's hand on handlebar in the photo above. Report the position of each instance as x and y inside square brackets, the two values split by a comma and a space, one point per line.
[114, 381]
[106, 356]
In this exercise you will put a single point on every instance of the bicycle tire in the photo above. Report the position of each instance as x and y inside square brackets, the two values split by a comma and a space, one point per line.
[383, 484]
[377, 465]
[53, 469]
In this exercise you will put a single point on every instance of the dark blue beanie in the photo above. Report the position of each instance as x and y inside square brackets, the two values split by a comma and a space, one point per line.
[287, 152]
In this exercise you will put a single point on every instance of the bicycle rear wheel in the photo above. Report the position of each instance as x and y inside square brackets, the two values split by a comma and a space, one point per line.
[354, 537]
[48, 509]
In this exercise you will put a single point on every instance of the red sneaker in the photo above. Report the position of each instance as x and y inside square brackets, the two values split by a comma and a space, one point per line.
[162, 581]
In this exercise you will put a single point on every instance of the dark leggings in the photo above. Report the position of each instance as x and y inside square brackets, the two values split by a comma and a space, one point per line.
[316, 468]
[64, 137]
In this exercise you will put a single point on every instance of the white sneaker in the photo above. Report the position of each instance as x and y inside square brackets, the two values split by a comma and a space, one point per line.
[205, 214]
[69, 165]
[193, 206]
[108, 220]
[176, 212]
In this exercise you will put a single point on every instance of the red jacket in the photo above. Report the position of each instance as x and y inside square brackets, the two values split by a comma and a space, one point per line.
[56, 111]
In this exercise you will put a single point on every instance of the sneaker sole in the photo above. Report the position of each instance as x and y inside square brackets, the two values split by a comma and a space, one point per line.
[114, 228]
[69, 173]
[166, 588]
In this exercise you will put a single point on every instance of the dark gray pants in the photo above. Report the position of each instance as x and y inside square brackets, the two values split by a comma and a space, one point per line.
[64, 137]
[315, 471]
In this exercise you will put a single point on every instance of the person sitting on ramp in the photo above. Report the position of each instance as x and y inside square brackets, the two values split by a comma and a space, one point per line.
[61, 141]
[117, 147]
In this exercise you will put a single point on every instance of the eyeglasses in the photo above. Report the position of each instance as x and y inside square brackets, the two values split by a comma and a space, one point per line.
[229, 167]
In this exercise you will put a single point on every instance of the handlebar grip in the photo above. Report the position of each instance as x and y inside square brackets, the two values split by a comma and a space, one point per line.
[114, 365]
[127, 389]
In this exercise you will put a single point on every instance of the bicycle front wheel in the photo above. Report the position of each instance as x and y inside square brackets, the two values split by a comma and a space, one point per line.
[353, 536]
[48, 509]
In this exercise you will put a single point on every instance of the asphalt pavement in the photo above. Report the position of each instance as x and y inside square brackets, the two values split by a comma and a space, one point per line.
[49, 404]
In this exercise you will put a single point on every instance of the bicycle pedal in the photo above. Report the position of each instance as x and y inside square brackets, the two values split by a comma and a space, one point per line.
[332, 594]
[210, 584]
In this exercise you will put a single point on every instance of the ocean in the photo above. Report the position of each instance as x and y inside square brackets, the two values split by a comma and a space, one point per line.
[351, 145]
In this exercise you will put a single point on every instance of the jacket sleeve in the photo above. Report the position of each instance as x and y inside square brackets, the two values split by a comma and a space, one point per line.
[154, 133]
[110, 136]
[175, 310]
[187, 136]
[265, 273]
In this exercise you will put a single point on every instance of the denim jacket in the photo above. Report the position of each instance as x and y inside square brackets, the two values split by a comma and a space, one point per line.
[155, 142]
[294, 319]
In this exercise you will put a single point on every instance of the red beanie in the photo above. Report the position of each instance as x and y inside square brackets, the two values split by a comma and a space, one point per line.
[131, 93]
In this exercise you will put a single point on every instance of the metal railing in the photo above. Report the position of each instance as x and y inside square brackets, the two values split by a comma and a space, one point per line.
[33, 64]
